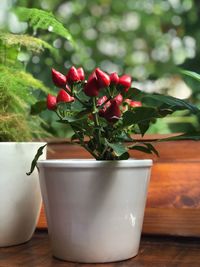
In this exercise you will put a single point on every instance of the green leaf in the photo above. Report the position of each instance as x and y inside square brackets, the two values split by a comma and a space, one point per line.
[40, 19]
[34, 162]
[192, 79]
[191, 74]
[118, 148]
[162, 101]
[38, 107]
[152, 148]
[141, 148]
[124, 156]
[144, 126]
[139, 115]
[146, 148]
[186, 136]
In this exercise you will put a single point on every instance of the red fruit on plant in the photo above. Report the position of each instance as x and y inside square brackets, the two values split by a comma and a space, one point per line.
[92, 76]
[113, 112]
[63, 96]
[101, 100]
[102, 78]
[133, 103]
[51, 102]
[58, 78]
[72, 75]
[91, 88]
[118, 99]
[125, 82]
[81, 74]
[114, 78]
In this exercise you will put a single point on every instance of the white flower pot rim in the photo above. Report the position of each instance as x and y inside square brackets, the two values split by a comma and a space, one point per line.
[27, 143]
[92, 163]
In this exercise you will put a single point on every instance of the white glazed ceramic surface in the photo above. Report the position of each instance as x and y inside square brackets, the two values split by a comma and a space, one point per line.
[94, 208]
[20, 198]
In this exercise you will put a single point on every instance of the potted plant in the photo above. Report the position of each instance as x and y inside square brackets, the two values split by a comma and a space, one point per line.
[95, 207]
[20, 198]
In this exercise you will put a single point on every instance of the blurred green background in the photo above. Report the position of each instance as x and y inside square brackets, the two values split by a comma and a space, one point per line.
[150, 40]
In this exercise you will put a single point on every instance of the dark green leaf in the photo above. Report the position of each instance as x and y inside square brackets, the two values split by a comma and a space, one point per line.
[192, 79]
[172, 102]
[118, 148]
[152, 148]
[158, 100]
[124, 156]
[146, 148]
[142, 149]
[34, 162]
[38, 107]
[124, 137]
[144, 126]
[139, 115]
[187, 136]
[191, 74]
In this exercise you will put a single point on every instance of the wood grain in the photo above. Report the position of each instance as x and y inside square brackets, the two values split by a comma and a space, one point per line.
[173, 204]
[153, 252]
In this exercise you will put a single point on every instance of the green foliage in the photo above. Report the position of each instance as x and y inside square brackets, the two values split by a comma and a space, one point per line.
[40, 19]
[32, 44]
[18, 91]
[107, 136]
[18, 88]
[38, 154]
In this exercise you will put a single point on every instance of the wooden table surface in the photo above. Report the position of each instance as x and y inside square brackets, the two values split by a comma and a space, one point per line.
[155, 251]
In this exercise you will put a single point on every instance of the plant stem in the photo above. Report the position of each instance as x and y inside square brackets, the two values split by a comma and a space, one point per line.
[83, 143]
[104, 151]
[85, 105]
[97, 125]
[58, 114]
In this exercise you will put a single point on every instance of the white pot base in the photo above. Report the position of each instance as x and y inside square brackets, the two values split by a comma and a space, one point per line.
[126, 258]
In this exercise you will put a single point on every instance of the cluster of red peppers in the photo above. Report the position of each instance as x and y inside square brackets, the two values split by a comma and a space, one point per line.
[110, 109]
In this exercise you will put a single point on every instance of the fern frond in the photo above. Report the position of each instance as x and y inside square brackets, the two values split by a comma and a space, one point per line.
[32, 44]
[40, 19]
[18, 87]
[13, 124]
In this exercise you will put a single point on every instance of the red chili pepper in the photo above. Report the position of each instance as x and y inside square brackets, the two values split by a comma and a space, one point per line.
[51, 102]
[118, 99]
[102, 78]
[72, 75]
[81, 74]
[91, 88]
[58, 78]
[113, 112]
[133, 103]
[101, 100]
[63, 96]
[125, 82]
[114, 78]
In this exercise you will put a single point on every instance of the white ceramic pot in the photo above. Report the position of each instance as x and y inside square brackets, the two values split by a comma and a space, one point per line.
[94, 208]
[20, 197]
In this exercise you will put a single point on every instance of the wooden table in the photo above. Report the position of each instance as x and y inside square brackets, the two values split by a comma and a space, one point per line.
[155, 251]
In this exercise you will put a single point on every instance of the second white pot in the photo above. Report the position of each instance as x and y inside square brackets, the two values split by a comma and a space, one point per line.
[94, 208]
[20, 198]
